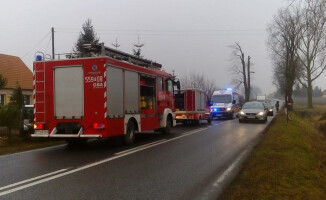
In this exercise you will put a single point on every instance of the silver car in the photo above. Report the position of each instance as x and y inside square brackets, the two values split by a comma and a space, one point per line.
[253, 111]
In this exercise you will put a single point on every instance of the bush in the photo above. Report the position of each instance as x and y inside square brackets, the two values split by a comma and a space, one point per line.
[10, 118]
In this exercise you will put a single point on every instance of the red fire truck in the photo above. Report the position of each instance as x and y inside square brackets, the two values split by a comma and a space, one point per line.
[109, 94]
[192, 106]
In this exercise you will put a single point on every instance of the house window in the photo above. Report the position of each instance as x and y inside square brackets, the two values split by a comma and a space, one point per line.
[27, 99]
[2, 99]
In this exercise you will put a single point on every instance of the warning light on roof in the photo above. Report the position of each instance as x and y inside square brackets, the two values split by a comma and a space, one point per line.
[39, 58]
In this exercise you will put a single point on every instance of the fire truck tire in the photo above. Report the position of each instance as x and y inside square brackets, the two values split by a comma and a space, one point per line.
[168, 127]
[129, 137]
[198, 122]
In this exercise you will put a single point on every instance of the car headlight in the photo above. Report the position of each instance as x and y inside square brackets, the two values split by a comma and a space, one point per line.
[228, 109]
[270, 110]
[242, 113]
[261, 113]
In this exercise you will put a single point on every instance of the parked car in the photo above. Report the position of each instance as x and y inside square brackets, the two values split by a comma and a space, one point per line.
[270, 109]
[253, 111]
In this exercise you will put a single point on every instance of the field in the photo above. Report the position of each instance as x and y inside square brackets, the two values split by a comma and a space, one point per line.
[315, 100]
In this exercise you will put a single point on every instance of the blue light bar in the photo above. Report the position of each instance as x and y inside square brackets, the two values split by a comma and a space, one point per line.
[39, 58]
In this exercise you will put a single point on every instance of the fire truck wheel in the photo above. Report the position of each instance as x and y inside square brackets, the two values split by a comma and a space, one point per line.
[168, 126]
[129, 137]
[198, 122]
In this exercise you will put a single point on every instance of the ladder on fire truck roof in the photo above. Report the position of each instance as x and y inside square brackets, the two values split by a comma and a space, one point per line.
[119, 55]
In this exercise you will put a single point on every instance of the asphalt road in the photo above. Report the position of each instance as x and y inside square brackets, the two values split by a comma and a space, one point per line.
[190, 163]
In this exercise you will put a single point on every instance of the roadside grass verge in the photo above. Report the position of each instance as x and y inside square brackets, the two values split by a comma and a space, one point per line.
[289, 163]
[19, 143]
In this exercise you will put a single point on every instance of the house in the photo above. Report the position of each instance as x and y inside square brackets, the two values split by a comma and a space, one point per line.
[17, 74]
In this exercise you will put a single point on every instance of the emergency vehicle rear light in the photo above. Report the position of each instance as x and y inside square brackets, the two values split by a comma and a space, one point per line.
[98, 126]
[38, 126]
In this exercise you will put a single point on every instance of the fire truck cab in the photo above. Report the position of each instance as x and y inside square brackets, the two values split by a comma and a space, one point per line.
[110, 94]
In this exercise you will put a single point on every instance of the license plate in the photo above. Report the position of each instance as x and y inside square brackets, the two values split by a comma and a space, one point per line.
[41, 132]
[219, 115]
[251, 117]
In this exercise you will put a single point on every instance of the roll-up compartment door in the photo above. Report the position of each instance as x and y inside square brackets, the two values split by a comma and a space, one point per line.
[114, 91]
[132, 92]
[69, 92]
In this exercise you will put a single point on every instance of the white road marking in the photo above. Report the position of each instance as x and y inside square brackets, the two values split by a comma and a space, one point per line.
[228, 171]
[139, 147]
[32, 179]
[88, 166]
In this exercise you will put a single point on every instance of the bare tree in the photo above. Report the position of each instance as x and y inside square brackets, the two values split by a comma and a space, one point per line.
[312, 51]
[116, 44]
[137, 50]
[241, 75]
[284, 42]
[198, 81]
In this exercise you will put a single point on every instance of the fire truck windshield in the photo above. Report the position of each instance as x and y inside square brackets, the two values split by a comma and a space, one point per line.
[221, 99]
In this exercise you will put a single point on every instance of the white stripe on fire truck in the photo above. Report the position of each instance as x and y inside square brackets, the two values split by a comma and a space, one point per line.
[104, 104]
[104, 94]
[105, 115]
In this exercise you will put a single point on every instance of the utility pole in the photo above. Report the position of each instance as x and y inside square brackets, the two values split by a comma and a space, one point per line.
[52, 30]
[245, 84]
[249, 77]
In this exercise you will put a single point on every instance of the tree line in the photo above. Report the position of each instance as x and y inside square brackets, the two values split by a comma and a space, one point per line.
[297, 42]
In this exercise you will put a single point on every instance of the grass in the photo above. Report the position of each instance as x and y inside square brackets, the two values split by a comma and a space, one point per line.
[19, 144]
[289, 163]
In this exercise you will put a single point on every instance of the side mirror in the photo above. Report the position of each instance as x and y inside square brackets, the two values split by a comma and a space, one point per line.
[178, 85]
[210, 103]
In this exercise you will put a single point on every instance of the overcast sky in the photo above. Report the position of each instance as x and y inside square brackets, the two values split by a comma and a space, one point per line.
[184, 35]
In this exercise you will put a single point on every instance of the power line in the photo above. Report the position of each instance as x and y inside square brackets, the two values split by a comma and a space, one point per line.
[170, 33]
[74, 30]
[36, 44]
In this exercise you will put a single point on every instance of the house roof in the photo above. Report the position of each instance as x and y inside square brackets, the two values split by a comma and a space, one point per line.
[16, 72]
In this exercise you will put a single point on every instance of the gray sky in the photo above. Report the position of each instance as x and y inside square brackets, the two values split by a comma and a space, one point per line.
[184, 35]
